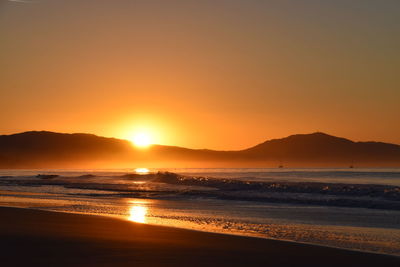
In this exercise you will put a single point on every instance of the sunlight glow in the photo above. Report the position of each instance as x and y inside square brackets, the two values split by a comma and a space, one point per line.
[141, 139]
[143, 130]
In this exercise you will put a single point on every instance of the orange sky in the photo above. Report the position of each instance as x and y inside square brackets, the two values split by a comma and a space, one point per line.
[201, 74]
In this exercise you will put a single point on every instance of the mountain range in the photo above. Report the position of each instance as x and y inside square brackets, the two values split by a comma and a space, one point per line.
[43, 149]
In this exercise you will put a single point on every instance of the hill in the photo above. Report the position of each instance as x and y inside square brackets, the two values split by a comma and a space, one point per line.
[58, 150]
[323, 149]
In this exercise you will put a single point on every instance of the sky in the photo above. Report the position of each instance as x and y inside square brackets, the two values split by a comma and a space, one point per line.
[219, 74]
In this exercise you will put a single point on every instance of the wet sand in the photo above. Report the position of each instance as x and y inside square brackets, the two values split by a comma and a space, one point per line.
[41, 238]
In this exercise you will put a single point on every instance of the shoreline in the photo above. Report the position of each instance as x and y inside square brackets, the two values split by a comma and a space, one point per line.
[39, 237]
[123, 218]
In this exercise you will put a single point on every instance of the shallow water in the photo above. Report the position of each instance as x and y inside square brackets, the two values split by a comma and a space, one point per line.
[347, 208]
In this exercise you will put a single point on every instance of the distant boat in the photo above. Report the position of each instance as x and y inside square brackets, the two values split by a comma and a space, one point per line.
[280, 166]
[351, 164]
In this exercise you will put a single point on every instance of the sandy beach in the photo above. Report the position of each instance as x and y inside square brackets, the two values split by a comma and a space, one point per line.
[33, 237]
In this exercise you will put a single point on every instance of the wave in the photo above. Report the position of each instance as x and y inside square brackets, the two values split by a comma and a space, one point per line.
[370, 190]
[172, 185]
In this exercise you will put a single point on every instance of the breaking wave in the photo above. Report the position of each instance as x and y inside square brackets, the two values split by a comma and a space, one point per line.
[172, 185]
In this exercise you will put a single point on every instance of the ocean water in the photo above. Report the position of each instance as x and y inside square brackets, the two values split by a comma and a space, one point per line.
[355, 209]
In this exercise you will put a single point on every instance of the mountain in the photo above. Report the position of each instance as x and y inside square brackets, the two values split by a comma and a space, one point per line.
[58, 150]
[320, 148]
[48, 149]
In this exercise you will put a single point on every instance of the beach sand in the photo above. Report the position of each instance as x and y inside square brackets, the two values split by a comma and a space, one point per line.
[41, 238]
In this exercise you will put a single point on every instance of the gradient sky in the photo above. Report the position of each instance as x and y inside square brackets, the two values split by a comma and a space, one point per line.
[222, 74]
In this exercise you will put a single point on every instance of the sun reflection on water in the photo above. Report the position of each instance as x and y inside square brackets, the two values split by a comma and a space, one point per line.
[142, 170]
[137, 212]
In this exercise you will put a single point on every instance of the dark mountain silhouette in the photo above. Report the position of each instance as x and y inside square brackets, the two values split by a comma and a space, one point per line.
[58, 150]
[320, 148]
[41, 149]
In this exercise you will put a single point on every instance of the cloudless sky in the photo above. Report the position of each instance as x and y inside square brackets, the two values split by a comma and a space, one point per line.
[222, 74]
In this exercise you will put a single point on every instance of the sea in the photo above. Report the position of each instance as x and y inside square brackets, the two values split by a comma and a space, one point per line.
[353, 208]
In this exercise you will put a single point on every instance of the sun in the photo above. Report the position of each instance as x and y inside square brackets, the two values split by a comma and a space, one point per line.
[141, 139]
